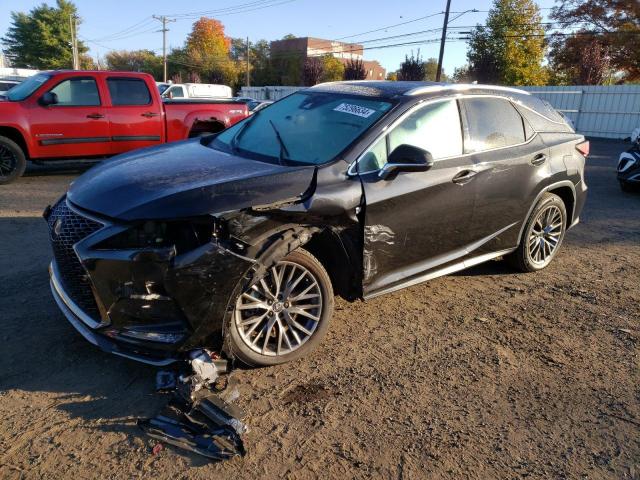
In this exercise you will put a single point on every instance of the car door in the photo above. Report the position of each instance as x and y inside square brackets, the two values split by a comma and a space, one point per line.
[75, 126]
[134, 120]
[417, 221]
[511, 163]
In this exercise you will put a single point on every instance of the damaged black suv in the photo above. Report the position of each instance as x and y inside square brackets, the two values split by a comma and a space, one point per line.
[238, 242]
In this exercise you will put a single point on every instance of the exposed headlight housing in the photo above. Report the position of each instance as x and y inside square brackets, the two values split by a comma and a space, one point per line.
[185, 235]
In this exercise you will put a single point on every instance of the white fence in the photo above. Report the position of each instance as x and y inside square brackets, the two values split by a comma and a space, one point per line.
[268, 93]
[596, 111]
[18, 74]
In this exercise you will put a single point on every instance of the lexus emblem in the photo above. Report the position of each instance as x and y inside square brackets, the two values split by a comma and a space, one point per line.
[57, 227]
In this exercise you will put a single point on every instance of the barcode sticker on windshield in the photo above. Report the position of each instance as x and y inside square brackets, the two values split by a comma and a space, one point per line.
[354, 110]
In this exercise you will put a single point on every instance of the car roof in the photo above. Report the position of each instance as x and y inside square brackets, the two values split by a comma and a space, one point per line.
[97, 72]
[407, 89]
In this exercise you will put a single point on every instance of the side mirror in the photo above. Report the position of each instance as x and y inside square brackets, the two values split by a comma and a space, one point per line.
[47, 99]
[406, 158]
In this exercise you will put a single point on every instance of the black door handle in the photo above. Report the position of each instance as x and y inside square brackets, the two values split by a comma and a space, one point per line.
[539, 159]
[464, 176]
[95, 115]
[149, 114]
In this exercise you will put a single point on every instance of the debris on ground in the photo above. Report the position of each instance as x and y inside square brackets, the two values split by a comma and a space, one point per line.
[196, 418]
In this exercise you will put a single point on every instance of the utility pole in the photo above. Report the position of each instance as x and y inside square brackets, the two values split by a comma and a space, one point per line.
[248, 65]
[164, 20]
[442, 41]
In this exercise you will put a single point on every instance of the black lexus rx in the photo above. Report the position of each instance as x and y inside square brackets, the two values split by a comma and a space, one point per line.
[238, 242]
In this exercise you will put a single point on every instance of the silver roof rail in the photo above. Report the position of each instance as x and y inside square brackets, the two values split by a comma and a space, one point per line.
[461, 87]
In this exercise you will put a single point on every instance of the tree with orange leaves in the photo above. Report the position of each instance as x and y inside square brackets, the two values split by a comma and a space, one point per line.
[206, 53]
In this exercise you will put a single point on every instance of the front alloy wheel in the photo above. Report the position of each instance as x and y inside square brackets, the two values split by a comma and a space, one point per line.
[283, 315]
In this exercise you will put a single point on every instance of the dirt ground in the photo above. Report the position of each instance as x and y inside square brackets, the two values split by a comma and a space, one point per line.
[483, 374]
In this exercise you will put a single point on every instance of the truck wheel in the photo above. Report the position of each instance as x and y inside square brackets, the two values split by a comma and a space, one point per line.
[285, 315]
[12, 161]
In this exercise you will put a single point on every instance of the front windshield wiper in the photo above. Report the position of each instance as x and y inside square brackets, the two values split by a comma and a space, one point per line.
[283, 147]
[236, 137]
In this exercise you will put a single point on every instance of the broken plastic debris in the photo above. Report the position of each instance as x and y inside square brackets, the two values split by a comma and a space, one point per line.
[157, 448]
[206, 368]
[166, 381]
[195, 418]
[203, 428]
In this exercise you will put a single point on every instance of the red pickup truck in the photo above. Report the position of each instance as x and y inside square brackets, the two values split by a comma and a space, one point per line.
[92, 114]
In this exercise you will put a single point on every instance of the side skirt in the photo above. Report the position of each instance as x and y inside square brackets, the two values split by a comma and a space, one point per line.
[470, 262]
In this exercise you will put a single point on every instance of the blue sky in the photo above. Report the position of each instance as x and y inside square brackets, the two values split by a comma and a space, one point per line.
[108, 24]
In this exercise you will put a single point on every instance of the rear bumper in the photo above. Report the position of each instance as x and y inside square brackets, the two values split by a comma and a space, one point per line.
[89, 328]
[580, 199]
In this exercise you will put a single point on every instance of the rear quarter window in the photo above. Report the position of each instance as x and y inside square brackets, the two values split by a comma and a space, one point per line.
[541, 115]
[128, 91]
[491, 123]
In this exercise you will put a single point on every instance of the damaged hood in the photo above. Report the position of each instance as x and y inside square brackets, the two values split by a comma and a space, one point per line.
[184, 179]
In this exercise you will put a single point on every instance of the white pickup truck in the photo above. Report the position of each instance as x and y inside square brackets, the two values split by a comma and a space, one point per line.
[195, 90]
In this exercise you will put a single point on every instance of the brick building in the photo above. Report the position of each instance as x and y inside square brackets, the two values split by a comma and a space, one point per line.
[314, 47]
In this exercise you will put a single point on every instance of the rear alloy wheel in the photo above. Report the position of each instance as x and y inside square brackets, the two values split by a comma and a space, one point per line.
[285, 314]
[542, 235]
[12, 160]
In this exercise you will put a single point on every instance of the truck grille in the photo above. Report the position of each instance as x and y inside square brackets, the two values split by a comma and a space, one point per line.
[71, 229]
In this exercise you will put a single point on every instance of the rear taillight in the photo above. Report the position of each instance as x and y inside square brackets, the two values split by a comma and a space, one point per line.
[583, 148]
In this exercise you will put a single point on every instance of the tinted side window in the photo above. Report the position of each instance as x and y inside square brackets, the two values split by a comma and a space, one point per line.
[128, 91]
[77, 92]
[177, 92]
[435, 128]
[492, 123]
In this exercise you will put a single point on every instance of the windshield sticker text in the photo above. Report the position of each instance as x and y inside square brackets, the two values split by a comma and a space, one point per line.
[354, 110]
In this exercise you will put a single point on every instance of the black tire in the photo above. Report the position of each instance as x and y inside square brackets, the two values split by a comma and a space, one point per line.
[523, 258]
[625, 187]
[13, 161]
[238, 346]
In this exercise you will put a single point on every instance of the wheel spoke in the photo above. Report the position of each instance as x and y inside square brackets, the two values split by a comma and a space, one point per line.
[290, 323]
[267, 333]
[304, 292]
[301, 311]
[281, 311]
[290, 286]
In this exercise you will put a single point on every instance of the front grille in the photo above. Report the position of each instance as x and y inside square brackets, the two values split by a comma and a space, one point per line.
[70, 230]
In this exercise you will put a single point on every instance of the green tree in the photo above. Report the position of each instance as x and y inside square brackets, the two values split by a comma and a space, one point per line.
[606, 40]
[430, 70]
[510, 47]
[461, 75]
[42, 38]
[260, 68]
[354, 70]
[135, 61]
[332, 69]
[413, 68]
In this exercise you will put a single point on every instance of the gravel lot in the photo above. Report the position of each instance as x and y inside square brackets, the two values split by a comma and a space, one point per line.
[483, 374]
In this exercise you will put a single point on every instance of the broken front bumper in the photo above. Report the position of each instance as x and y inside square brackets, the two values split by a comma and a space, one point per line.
[148, 304]
[87, 326]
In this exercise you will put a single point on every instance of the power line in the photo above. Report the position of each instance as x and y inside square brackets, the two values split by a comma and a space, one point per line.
[391, 26]
[125, 31]
[262, 4]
